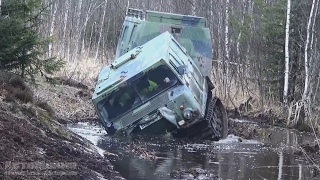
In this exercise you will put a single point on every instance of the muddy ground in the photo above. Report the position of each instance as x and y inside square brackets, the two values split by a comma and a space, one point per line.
[30, 133]
[32, 129]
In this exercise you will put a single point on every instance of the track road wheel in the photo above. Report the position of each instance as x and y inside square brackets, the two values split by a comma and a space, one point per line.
[217, 119]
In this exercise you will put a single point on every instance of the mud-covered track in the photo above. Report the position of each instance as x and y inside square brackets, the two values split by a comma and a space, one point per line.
[213, 126]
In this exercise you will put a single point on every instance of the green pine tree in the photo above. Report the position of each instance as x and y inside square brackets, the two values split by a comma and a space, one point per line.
[21, 47]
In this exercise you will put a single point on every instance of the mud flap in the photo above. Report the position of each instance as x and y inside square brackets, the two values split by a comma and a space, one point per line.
[210, 84]
[110, 130]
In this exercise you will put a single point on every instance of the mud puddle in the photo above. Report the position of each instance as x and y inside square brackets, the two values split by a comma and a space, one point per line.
[269, 155]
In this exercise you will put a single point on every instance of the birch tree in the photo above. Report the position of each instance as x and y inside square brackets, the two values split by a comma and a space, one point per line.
[227, 46]
[65, 47]
[101, 28]
[286, 76]
[306, 48]
[52, 27]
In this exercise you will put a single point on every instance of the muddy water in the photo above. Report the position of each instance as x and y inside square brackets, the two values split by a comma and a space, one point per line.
[269, 156]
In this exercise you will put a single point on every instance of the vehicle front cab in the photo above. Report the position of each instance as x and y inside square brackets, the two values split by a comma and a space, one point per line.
[159, 92]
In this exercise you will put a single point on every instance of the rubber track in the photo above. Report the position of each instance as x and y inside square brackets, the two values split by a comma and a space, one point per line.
[202, 129]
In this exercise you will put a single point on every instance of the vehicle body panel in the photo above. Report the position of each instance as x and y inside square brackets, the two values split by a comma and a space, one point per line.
[191, 32]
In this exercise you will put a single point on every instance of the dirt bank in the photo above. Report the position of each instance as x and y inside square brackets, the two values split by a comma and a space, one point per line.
[69, 99]
[30, 134]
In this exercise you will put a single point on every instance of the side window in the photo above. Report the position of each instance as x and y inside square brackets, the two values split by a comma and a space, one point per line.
[132, 34]
[175, 30]
[124, 34]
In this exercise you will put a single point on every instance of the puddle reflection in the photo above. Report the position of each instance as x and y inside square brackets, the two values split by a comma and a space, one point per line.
[269, 157]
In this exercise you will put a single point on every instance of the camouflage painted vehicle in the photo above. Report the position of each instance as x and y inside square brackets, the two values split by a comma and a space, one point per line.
[159, 82]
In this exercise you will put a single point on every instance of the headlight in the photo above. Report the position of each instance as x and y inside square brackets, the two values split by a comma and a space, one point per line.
[187, 114]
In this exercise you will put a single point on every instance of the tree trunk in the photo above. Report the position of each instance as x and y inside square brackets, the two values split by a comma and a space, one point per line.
[227, 47]
[306, 60]
[287, 60]
[101, 28]
[78, 31]
[313, 45]
[65, 40]
[55, 7]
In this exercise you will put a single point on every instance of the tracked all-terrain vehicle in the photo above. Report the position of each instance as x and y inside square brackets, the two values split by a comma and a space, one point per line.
[160, 81]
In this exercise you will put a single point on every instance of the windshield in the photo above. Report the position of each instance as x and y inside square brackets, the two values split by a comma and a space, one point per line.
[119, 102]
[136, 92]
[155, 81]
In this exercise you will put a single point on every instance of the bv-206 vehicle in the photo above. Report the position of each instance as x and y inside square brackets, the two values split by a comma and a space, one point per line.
[160, 81]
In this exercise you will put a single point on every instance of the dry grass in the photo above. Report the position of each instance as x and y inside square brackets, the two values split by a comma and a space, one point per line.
[61, 101]
[84, 71]
[73, 101]
[271, 108]
[71, 98]
[235, 94]
[45, 106]
[239, 91]
[64, 101]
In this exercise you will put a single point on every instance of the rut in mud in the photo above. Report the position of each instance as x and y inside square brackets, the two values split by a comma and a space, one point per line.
[255, 152]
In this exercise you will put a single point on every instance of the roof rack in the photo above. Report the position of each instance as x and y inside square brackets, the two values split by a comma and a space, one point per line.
[136, 13]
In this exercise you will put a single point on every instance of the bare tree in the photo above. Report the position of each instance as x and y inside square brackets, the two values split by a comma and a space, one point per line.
[306, 48]
[286, 78]
[101, 28]
[227, 47]
[52, 27]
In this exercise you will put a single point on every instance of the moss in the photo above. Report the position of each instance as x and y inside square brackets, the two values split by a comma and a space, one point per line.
[44, 117]
[64, 133]
[23, 95]
[13, 80]
[14, 107]
[16, 88]
[29, 112]
[10, 98]
[45, 106]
